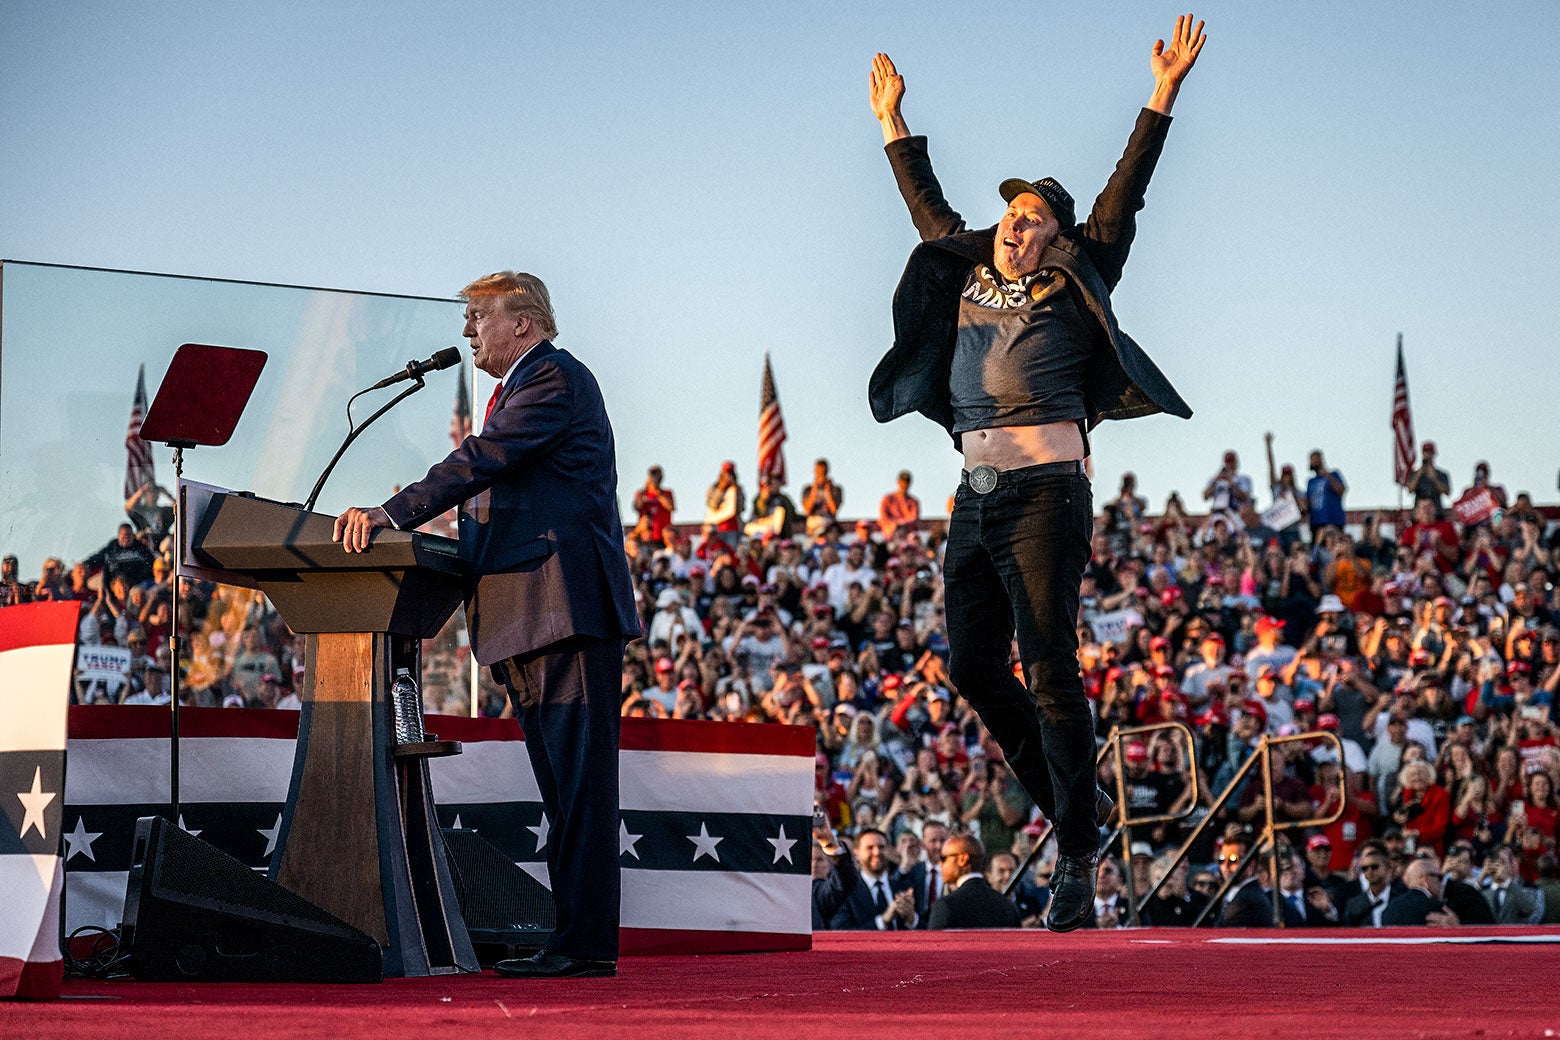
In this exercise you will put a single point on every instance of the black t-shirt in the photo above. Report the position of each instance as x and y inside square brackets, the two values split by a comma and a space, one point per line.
[1021, 354]
[1152, 794]
[1104, 575]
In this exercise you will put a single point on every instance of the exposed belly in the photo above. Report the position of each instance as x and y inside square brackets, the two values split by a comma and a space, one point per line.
[1012, 447]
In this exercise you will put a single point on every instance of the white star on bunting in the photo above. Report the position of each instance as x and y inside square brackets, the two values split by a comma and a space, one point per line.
[626, 840]
[34, 802]
[782, 845]
[270, 833]
[80, 840]
[704, 845]
[541, 833]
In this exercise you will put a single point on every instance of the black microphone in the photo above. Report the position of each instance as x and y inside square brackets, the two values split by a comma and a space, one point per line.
[415, 369]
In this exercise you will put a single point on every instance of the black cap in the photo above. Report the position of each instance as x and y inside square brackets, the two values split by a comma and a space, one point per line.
[1049, 189]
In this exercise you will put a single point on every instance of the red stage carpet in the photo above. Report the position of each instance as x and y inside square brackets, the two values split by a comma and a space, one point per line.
[1147, 985]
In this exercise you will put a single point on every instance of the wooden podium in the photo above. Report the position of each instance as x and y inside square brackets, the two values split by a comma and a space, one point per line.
[358, 837]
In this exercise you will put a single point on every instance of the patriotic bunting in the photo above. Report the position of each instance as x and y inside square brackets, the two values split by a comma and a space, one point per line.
[714, 840]
[37, 652]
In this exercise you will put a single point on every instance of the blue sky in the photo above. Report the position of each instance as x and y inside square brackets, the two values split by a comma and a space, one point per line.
[701, 183]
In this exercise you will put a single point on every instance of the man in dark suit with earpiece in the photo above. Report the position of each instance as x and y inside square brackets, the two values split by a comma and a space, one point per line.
[970, 901]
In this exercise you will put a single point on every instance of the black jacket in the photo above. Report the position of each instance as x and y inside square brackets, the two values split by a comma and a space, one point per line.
[1250, 907]
[829, 893]
[1357, 911]
[1410, 907]
[1466, 902]
[974, 904]
[1172, 912]
[1122, 383]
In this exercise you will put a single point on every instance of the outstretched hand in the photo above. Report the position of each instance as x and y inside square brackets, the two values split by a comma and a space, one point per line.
[1171, 62]
[887, 87]
[886, 90]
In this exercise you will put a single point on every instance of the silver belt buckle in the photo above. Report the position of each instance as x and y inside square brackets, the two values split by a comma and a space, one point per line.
[983, 480]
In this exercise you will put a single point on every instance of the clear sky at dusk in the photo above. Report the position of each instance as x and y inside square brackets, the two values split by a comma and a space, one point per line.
[701, 183]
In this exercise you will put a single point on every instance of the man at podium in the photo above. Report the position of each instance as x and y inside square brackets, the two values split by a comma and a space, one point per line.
[549, 603]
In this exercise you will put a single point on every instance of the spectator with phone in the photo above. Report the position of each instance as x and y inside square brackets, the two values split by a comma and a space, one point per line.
[834, 874]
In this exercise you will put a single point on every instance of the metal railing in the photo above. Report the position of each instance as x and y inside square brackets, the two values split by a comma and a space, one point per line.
[1113, 748]
[1266, 842]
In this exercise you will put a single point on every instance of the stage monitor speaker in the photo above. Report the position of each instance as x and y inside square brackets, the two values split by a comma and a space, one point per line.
[501, 903]
[194, 913]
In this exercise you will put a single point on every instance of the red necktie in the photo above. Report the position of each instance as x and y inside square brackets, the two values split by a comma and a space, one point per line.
[491, 402]
[931, 890]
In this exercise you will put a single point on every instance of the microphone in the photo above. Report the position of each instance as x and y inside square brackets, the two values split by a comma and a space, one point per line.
[414, 369]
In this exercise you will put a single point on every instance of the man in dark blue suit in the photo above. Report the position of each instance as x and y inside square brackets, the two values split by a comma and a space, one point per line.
[549, 603]
[877, 901]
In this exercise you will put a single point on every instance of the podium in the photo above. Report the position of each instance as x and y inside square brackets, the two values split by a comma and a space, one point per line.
[358, 835]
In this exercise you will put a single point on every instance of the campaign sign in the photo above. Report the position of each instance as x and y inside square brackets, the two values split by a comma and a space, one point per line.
[1475, 507]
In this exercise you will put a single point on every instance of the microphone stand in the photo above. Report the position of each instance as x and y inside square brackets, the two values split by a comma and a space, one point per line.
[175, 646]
[352, 435]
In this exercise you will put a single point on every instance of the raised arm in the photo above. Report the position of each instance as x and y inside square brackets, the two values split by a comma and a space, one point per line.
[1112, 222]
[1170, 64]
[930, 212]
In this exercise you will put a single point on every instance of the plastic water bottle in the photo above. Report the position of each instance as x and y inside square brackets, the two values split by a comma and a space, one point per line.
[406, 703]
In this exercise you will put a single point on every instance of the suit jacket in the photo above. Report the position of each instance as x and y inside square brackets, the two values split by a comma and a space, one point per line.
[1466, 902]
[1357, 911]
[974, 904]
[1249, 907]
[859, 909]
[539, 525]
[829, 893]
[1170, 912]
[1120, 383]
[1410, 907]
[1523, 905]
[916, 879]
[1306, 917]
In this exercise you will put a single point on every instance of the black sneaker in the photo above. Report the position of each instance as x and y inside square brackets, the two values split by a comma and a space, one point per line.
[1072, 892]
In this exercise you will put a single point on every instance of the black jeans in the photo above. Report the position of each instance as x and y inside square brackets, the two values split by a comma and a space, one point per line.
[1013, 563]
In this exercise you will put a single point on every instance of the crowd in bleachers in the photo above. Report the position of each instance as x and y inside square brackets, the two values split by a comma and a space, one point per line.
[1426, 644]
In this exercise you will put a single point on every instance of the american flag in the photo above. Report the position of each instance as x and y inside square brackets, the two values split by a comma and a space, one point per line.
[460, 422]
[771, 430]
[139, 468]
[1402, 424]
